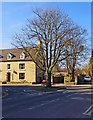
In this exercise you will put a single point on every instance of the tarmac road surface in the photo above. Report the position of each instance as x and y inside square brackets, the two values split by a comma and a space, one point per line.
[74, 102]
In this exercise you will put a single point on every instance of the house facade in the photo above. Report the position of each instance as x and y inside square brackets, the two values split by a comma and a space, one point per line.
[17, 67]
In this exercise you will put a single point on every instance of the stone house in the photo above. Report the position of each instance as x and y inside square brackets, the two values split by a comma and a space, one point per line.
[17, 67]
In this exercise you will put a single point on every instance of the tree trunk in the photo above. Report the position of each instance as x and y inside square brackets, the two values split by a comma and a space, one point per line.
[48, 78]
[73, 75]
[92, 67]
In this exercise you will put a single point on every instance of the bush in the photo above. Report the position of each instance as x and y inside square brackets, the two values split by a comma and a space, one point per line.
[4, 82]
[34, 83]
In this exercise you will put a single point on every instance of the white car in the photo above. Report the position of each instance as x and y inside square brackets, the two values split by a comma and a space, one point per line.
[87, 78]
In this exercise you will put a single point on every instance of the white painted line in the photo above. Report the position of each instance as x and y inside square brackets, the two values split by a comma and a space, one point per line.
[48, 92]
[65, 92]
[69, 95]
[89, 113]
[59, 90]
[89, 99]
[89, 110]
[44, 103]
[78, 98]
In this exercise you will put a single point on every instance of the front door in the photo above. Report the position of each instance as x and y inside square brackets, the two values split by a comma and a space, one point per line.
[8, 77]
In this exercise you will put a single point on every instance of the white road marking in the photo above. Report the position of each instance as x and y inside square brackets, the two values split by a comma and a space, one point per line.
[89, 111]
[89, 99]
[47, 102]
[69, 95]
[65, 92]
[59, 90]
[79, 98]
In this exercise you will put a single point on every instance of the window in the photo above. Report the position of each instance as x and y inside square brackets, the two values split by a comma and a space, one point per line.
[22, 66]
[22, 56]
[1, 56]
[21, 75]
[9, 56]
[8, 66]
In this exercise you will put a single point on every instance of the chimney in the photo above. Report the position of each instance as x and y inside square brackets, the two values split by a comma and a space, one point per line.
[39, 42]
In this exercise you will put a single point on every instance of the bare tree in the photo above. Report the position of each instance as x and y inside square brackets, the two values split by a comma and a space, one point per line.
[55, 31]
[79, 51]
[90, 66]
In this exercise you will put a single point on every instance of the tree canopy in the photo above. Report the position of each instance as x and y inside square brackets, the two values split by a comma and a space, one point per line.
[59, 39]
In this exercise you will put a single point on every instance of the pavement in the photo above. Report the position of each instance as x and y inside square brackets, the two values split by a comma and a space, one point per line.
[61, 87]
[59, 84]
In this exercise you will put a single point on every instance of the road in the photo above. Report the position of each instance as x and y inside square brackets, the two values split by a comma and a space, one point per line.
[73, 102]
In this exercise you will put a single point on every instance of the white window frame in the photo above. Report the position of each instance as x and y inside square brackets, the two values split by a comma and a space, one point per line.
[22, 66]
[21, 76]
[22, 55]
[8, 66]
[1, 56]
[9, 56]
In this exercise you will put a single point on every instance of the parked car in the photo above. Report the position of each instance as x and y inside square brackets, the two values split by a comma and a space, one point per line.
[87, 78]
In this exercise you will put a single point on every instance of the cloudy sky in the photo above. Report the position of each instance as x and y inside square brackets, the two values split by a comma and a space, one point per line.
[15, 14]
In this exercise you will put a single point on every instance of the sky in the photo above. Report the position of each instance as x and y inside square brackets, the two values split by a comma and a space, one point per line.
[15, 15]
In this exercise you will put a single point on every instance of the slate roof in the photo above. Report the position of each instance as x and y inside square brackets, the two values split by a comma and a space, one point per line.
[16, 54]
